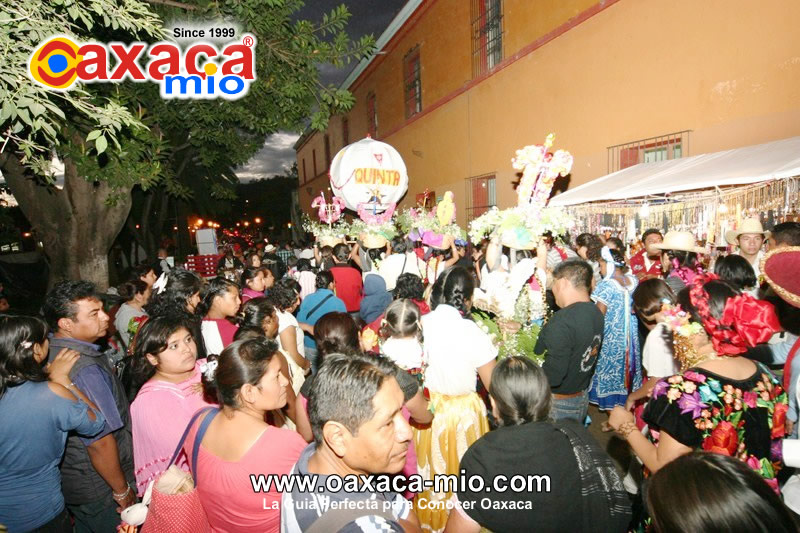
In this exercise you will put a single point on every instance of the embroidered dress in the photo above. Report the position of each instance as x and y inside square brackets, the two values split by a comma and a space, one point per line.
[738, 418]
[619, 365]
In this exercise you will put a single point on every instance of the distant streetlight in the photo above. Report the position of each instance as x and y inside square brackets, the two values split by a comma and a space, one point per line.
[199, 222]
[289, 225]
[246, 223]
[258, 220]
[210, 224]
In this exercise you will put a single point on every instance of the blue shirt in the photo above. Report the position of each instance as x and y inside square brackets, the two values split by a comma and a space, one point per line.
[35, 422]
[332, 304]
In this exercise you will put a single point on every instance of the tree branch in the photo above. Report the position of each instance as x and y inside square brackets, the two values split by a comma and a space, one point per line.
[172, 3]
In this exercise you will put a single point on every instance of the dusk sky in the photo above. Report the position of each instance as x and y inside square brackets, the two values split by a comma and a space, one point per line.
[368, 16]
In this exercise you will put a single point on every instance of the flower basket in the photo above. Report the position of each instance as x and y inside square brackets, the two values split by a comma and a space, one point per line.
[372, 240]
[328, 240]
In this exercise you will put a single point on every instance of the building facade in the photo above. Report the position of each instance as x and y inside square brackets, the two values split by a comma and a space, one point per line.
[460, 85]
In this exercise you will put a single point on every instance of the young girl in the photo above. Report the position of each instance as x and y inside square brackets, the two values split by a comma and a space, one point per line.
[658, 359]
[619, 367]
[401, 333]
[220, 301]
[253, 283]
[166, 373]
[290, 336]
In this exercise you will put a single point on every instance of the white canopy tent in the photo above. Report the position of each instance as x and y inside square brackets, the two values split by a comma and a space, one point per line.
[740, 166]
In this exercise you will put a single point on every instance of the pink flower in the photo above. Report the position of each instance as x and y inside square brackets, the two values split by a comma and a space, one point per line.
[750, 399]
[765, 396]
[728, 389]
[754, 463]
[705, 414]
[737, 404]
[689, 387]
[675, 379]
[694, 376]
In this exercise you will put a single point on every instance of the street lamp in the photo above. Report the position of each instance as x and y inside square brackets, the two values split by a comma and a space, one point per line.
[257, 220]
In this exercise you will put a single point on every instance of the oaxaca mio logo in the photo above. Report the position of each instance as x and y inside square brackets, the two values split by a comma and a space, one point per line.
[200, 70]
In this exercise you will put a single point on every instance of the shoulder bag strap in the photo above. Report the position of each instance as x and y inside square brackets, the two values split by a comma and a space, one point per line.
[336, 519]
[198, 438]
[197, 415]
[314, 309]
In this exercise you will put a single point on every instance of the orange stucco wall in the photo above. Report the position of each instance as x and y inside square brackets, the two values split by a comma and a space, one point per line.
[725, 69]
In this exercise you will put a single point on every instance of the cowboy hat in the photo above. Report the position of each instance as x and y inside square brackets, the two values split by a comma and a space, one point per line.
[780, 268]
[748, 225]
[679, 240]
[269, 248]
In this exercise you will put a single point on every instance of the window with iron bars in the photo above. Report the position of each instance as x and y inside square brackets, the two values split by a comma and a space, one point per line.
[412, 82]
[481, 195]
[487, 35]
[372, 115]
[650, 150]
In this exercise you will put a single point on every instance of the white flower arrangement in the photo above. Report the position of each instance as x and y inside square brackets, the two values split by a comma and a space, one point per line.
[338, 230]
[523, 224]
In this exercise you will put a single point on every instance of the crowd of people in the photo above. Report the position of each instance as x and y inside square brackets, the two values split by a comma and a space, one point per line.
[327, 362]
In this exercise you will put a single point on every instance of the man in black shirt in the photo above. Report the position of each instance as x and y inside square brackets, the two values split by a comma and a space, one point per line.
[571, 340]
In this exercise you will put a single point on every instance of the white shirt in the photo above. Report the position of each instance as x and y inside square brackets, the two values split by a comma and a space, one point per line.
[391, 268]
[454, 348]
[287, 320]
[406, 353]
[657, 358]
[756, 265]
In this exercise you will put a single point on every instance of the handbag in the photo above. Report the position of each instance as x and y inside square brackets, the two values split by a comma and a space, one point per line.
[179, 513]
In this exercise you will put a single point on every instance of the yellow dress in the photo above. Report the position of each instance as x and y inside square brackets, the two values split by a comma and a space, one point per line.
[457, 423]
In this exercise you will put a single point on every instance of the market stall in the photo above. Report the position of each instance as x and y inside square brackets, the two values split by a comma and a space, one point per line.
[706, 194]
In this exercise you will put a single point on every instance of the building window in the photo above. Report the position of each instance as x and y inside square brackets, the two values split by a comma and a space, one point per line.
[651, 150]
[345, 132]
[305, 175]
[412, 83]
[372, 115]
[487, 35]
[314, 159]
[327, 151]
[481, 195]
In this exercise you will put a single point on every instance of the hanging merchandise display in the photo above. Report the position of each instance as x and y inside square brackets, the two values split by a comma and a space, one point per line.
[708, 213]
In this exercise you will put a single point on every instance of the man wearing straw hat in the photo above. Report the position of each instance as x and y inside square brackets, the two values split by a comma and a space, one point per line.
[750, 239]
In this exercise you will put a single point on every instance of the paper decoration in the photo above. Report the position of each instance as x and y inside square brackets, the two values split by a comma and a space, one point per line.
[370, 174]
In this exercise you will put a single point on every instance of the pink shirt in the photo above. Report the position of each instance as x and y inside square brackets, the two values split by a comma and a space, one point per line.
[249, 294]
[226, 491]
[159, 415]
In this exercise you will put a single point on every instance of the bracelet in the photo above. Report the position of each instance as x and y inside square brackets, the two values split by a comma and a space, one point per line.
[626, 428]
[120, 496]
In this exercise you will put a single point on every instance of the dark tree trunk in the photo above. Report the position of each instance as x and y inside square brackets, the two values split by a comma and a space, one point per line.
[76, 224]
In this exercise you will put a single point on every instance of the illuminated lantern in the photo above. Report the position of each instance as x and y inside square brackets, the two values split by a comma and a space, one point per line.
[370, 174]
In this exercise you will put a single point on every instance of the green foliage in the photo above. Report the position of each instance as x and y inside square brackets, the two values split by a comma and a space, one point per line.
[32, 118]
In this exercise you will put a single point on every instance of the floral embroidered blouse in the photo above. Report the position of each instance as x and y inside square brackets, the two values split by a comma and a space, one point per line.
[738, 418]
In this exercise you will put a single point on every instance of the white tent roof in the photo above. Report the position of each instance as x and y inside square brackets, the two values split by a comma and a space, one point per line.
[740, 166]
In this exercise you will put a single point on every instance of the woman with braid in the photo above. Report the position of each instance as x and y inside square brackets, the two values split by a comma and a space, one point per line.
[457, 352]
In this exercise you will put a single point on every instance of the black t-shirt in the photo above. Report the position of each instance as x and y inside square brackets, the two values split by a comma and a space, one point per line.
[533, 449]
[572, 339]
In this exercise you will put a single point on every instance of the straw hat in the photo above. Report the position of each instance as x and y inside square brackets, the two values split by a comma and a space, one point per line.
[780, 268]
[679, 240]
[749, 225]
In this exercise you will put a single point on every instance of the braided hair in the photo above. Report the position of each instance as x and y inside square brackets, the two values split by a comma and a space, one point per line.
[454, 287]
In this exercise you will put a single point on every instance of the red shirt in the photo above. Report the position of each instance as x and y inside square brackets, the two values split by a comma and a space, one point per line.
[641, 271]
[348, 286]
